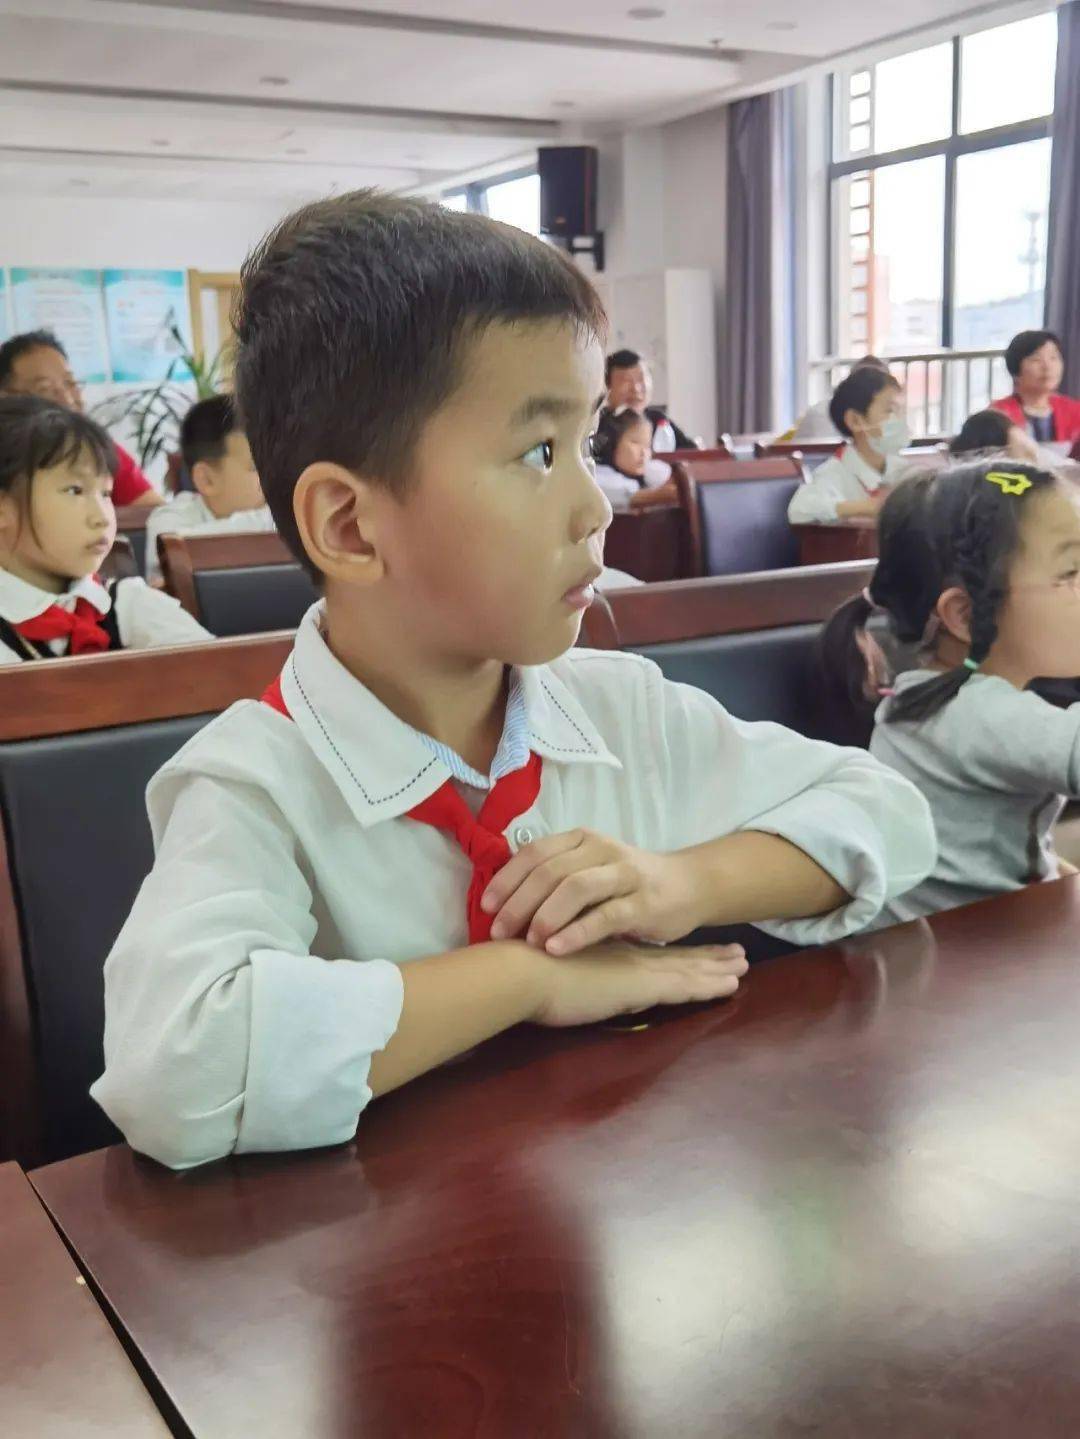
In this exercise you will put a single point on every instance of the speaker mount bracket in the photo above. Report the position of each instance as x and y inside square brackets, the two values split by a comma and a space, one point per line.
[589, 245]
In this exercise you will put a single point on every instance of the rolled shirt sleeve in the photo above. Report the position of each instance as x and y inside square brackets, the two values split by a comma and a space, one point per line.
[865, 825]
[223, 1031]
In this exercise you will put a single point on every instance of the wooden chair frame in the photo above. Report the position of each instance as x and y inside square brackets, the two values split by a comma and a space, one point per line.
[184, 556]
[721, 605]
[688, 476]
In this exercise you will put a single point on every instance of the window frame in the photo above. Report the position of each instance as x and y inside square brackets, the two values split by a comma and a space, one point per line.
[476, 193]
[953, 147]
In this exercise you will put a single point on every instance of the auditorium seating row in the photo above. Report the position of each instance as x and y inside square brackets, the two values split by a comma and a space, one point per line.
[80, 738]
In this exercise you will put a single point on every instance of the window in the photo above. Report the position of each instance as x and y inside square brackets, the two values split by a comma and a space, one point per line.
[940, 185]
[513, 199]
[516, 202]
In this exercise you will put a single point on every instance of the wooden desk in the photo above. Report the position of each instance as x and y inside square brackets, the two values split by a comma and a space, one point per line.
[653, 543]
[843, 1205]
[62, 1370]
[831, 544]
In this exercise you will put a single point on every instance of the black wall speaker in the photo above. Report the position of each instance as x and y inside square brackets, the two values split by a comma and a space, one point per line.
[568, 190]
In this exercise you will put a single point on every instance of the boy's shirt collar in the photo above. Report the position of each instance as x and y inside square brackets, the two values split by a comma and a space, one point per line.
[512, 753]
[384, 767]
[21, 601]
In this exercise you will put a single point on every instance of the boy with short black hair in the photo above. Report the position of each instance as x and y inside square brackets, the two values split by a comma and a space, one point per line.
[444, 819]
[867, 407]
[227, 498]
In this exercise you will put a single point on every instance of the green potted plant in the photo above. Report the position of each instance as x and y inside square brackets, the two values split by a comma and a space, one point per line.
[154, 412]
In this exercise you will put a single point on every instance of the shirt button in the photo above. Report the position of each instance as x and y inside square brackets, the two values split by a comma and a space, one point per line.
[523, 835]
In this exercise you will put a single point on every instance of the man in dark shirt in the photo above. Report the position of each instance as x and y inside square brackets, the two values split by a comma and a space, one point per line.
[629, 382]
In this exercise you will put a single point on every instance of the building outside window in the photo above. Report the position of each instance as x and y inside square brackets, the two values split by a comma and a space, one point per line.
[939, 194]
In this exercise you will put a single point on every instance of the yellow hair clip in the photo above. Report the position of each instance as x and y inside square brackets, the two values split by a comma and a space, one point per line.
[1010, 482]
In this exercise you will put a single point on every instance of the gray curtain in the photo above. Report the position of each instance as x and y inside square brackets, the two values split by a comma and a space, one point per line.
[1063, 249]
[757, 349]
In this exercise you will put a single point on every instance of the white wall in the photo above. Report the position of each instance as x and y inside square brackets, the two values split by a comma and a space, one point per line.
[130, 233]
[672, 180]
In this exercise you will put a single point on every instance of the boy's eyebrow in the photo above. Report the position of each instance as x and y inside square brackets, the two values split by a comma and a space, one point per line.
[554, 407]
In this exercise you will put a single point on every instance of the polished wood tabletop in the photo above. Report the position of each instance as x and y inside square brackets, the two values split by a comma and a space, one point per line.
[855, 539]
[63, 1373]
[843, 1204]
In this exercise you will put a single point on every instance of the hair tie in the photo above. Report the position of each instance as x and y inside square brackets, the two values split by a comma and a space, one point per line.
[972, 665]
[1010, 482]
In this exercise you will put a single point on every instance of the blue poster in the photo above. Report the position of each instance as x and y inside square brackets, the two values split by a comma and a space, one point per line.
[68, 302]
[144, 310]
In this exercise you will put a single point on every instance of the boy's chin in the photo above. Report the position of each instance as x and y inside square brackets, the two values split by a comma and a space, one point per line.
[542, 649]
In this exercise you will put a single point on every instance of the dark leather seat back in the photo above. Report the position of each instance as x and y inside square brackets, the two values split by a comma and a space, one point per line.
[137, 539]
[744, 525]
[764, 675]
[254, 599]
[79, 847]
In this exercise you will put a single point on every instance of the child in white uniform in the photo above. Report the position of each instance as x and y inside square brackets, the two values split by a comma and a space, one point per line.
[444, 819]
[980, 572]
[57, 524]
[227, 498]
[625, 469]
[866, 407]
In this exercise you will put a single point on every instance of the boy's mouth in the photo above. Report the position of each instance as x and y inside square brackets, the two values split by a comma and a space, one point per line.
[581, 595]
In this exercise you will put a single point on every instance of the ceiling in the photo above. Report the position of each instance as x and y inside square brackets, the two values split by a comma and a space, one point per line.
[292, 98]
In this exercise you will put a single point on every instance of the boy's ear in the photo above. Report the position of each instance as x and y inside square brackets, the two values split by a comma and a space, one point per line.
[953, 609]
[859, 421]
[203, 477]
[336, 514]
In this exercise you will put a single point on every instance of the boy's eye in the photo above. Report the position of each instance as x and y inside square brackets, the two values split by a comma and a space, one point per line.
[72, 490]
[540, 457]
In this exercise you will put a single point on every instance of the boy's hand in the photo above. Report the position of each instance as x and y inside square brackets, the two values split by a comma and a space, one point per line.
[620, 978]
[571, 890]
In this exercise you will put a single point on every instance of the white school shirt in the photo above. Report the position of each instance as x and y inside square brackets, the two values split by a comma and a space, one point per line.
[146, 619]
[188, 513]
[848, 477]
[613, 579]
[996, 765]
[621, 489]
[258, 970]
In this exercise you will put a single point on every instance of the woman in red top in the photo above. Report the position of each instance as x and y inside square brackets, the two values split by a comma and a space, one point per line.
[1035, 362]
[36, 363]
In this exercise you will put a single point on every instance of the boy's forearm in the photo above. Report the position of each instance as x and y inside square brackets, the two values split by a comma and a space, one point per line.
[454, 1001]
[855, 509]
[752, 876]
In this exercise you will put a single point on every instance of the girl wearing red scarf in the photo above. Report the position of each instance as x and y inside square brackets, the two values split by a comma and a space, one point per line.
[57, 524]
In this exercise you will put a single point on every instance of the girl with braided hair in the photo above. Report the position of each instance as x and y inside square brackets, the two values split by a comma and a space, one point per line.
[979, 581]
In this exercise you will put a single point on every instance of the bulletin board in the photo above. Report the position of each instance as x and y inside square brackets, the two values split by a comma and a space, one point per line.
[116, 325]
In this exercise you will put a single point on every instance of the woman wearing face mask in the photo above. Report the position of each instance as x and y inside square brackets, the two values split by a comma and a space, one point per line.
[867, 408]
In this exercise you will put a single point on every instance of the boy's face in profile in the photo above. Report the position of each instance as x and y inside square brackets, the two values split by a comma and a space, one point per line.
[490, 553]
[232, 482]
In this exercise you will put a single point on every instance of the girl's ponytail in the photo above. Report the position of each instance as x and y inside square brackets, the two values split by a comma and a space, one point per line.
[853, 665]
